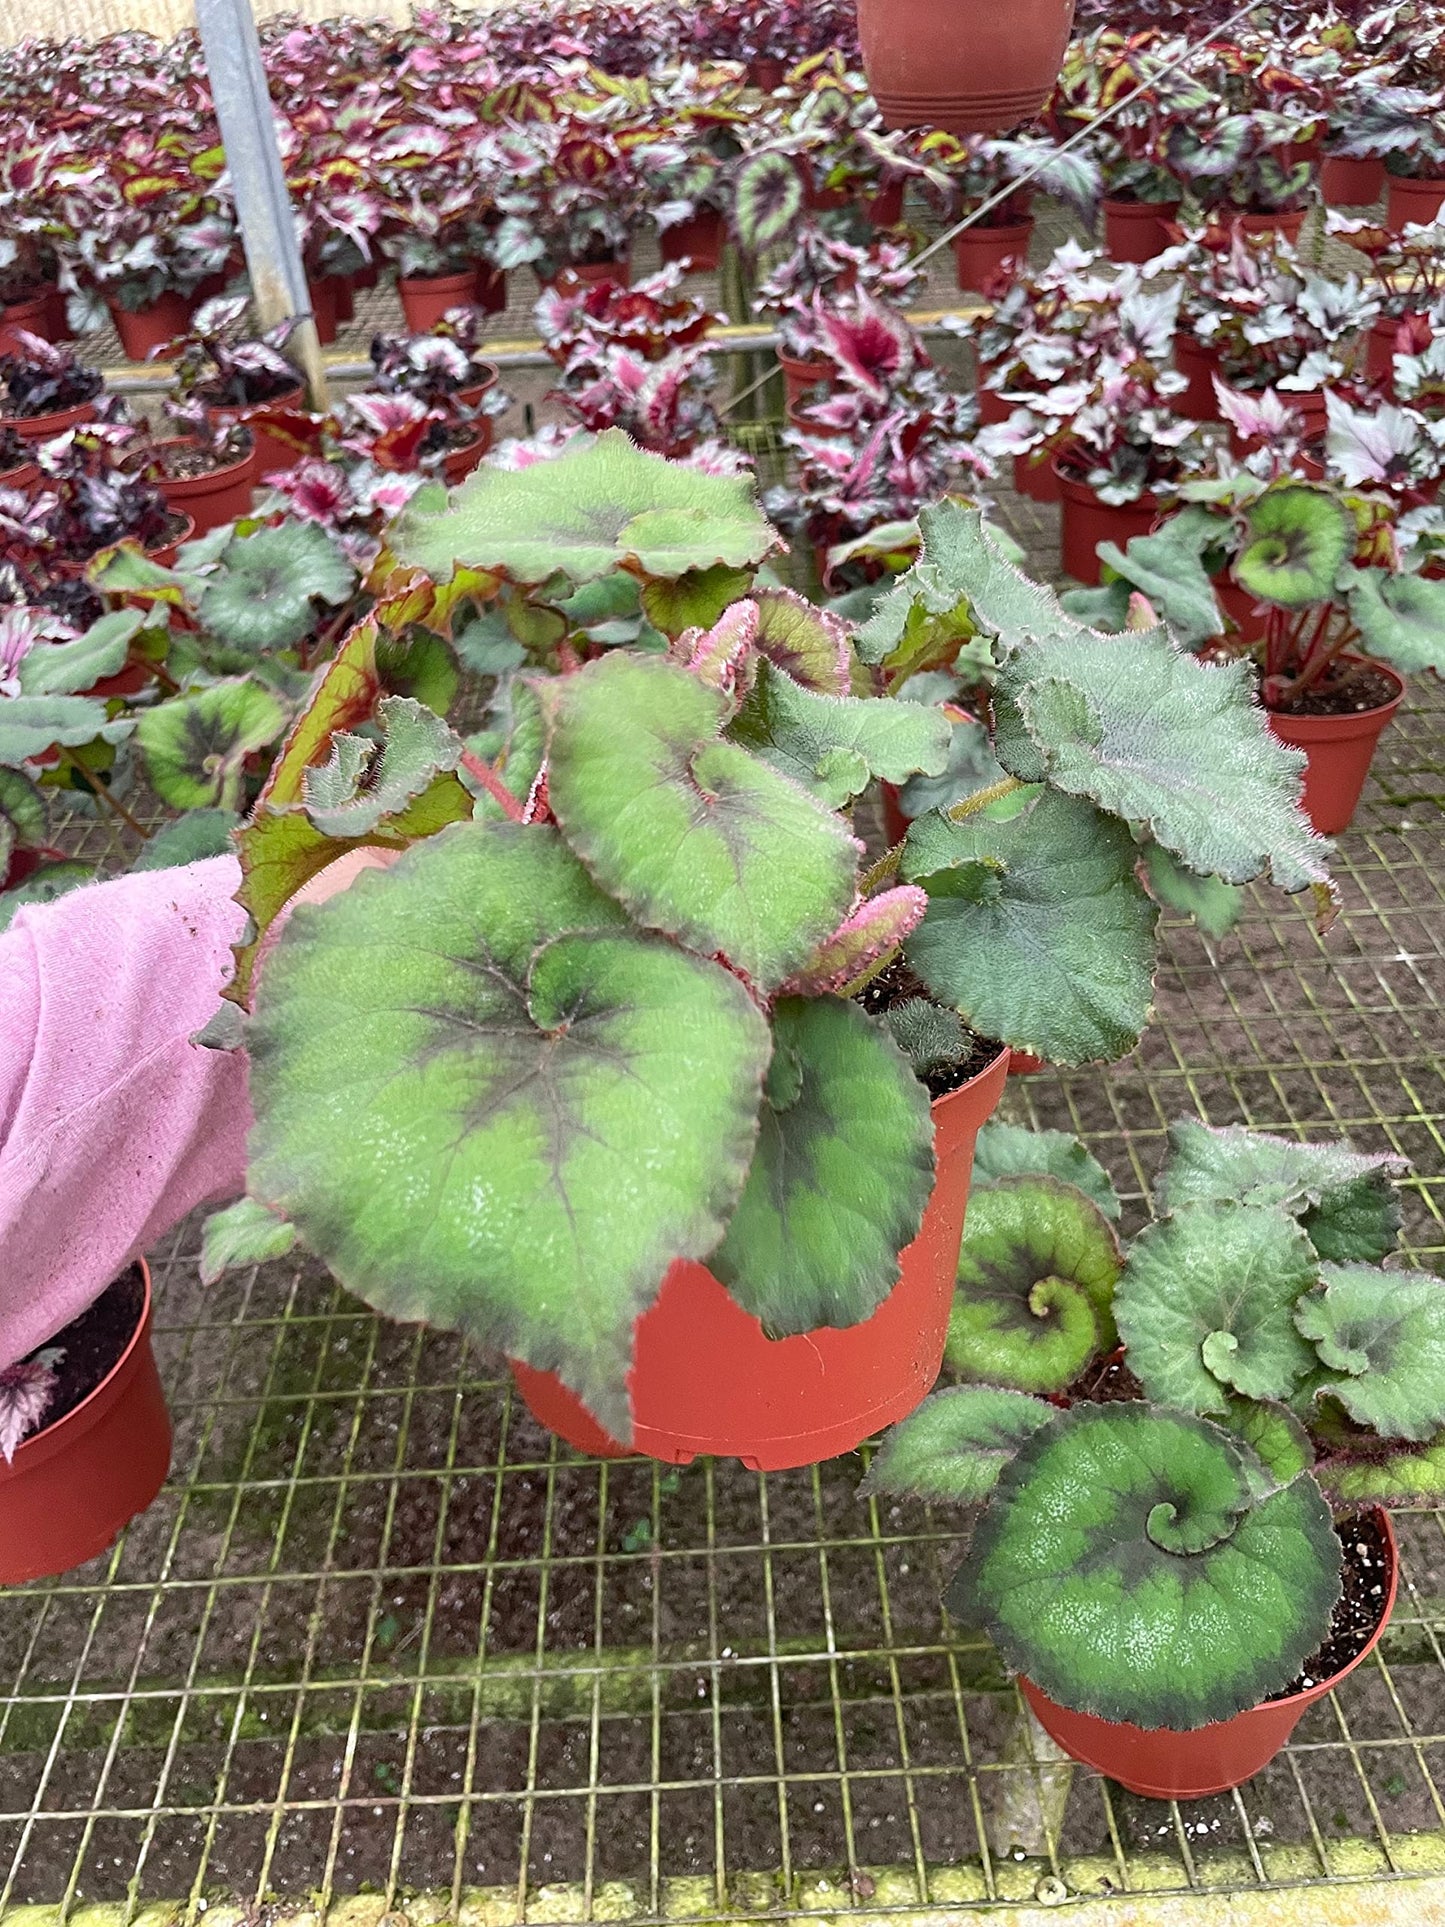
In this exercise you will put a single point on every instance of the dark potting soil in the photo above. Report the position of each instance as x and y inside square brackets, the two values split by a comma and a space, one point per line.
[1347, 695]
[1367, 1564]
[1106, 1382]
[896, 984]
[93, 1343]
[194, 460]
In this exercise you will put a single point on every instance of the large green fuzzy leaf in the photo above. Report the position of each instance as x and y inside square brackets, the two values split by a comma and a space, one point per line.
[245, 1233]
[1344, 1198]
[52, 880]
[697, 837]
[1169, 568]
[1037, 931]
[1010, 1151]
[71, 668]
[1035, 1286]
[29, 725]
[1216, 907]
[1206, 1305]
[265, 594]
[1400, 618]
[195, 746]
[1381, 1337]
[1152, 735]
[1399, 1478]
[971, 766]
[190, 839]
[833, 745]
[954, 1446]
[961, 584]
[1297, 539]
[365, 781]
[692, 601]
[839, 1180]
[486, 1103]
[1126, 1566]
[601, 506]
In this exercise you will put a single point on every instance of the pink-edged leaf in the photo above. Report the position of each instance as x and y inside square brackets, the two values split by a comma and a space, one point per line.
[809, 644]
[873, 347]
[867, 935]
[716, 655]
[26, 1389]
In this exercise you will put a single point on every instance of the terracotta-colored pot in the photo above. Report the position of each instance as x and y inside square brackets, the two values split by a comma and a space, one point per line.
[23, 478]
[968, 66]
[458, 463]
[1339, 751]
[425, 298]
[366, 277]
[983, 254]
[271, 452]
[475, 392]
[72, 1488]
[1023, 1063]
[1285, 222]
[618, 270]
[1135, 231]
[1380, 352]
[796, 420]
[698, 242]
[1414, 203]
[1200, 363]
[992, 408]
[1247, 615]
[490, 293]
[40, 428]
[801, 377]
[1088, 522]
[223, 495]
[345, 297]
[145, 329]
[58, 315]
[32, 315]
[1351, 183]
[322, 295]
[706, 1381]
[885, 208]
[165, 554]
[1166, 1765]
[1036, 480]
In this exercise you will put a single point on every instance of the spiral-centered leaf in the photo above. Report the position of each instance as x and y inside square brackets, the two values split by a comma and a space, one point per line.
[839, 1180]
[195, 746]
[1038, 931]
[1010, 1151]
[485, 1102]
[695, 835]
[1381, 1336]
[1035, 1286]
[954, 1446]
[1125, 1565]
[1297, 539]
[1206, 1305]
[1344, 1198]
[362, 783]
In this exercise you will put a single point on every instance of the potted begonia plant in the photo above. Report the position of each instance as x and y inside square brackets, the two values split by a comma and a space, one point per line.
[436, 186]
[237, 380]
[1405, 125]
[569, 194]
[1409, 284]
[824, 275]
[1180, 1451]
[443, 368]
[1324, 610]
[601, 1146]
[995, 180]
[45, 389]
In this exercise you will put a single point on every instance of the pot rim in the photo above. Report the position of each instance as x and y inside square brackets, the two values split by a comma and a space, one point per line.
[214, 480]
[54, 1439]
[424, 282]
[1357, 718]
[993, 229]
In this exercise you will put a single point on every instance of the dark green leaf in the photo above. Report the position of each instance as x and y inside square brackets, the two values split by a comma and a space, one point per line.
[952, 1449]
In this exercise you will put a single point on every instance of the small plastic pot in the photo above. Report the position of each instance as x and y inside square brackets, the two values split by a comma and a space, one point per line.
[1351, 183]
[983, 254]
[1036, 480]
[1135, 231]
[1414, 203]
[23, 478]
[475, 392]
[705, 1381]
[1023, 1063]
[1285, 222]
[40, 428]
[458, 463]
[968, 66]
[1166, 1765]
[698, 242]
[322, 296]
[165, 554]
[58, 315]
[767, 73]
[1338, 751]
[1088, 522]
[72, 1489]
[490, 288]
[271, 453]
[425, 298]
[1200, 363]
[1380, 352]
[142, 330]
[1247, 615]
[618, 270]
[32, 315]
[795, 420]
[345, 297]
[223, 495]
[800, 377]
[992, 408]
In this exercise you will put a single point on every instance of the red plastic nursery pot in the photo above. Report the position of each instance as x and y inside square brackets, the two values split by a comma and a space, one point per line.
[992, 408]
[801, 376]
[1135, 231]
[618, 269]
[1088, 522]
[475, 391]
[24, 477]
[1414, 203]
[425, 298]
[345, 298]
[1380, 351]
[223, 495]
[165, 555]
[1036, 480]
[490, 291]
[699, 242]
[767, 73]
[706, 1381]
[34, 316]
[983, 253]
[1166, 1765]
[322, 296]
[458, 463]
[72, 1488]
[1023, 1063]
[144, 329]
[1351, 183]
[58, 316]
[1338, 751]
[968, 66]
[1200, 364]
[40, 428]
[270, 451]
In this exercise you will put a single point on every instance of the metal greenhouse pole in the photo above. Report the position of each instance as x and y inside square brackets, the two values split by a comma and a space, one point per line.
[263, 206]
